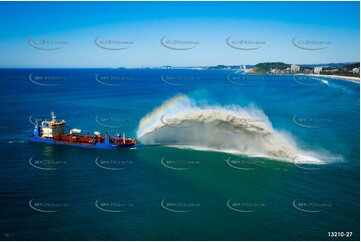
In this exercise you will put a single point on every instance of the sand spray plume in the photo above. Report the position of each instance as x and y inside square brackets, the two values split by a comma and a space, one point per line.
[180, 122]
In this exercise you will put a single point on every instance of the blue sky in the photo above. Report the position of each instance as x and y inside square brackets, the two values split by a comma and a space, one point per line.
[274, 24]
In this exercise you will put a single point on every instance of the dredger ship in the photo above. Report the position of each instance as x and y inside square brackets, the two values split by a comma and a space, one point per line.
[52, 132]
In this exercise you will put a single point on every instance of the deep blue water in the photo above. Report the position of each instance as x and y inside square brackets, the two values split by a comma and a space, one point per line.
[274, 200]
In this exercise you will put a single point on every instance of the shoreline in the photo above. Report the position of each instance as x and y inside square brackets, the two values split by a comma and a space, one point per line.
[346, 78]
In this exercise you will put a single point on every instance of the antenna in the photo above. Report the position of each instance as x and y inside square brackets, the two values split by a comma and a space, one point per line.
[53, 117]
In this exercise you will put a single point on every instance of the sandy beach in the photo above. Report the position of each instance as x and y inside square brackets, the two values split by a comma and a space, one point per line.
[347, 78]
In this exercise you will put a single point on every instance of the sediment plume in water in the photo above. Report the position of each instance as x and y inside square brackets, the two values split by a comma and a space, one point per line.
[180, 122]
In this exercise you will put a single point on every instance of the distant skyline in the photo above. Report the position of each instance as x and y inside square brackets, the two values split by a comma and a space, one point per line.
[149, 34]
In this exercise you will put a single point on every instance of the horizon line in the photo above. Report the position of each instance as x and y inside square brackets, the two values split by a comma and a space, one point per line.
[143, 67]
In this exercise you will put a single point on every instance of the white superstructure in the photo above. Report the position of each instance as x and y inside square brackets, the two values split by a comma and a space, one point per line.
[51, 128]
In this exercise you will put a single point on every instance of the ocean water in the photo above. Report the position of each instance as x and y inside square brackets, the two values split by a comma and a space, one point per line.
[221, 156]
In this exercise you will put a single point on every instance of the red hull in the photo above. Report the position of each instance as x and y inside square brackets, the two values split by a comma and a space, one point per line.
[92, 140]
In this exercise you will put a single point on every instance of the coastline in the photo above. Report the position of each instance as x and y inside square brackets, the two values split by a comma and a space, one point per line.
[346, 78]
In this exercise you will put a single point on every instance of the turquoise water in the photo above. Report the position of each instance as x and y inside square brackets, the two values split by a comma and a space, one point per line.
[190, 178]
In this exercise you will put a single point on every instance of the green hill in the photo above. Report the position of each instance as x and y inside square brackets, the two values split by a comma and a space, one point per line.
[267, 66]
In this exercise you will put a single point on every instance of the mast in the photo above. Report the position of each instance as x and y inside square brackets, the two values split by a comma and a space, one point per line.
[53, 117]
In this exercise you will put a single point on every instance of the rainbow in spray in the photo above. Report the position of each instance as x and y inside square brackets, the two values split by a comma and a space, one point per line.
[153, 119]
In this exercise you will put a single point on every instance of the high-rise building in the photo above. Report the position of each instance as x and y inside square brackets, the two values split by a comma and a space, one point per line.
[317, 70]
[295, 68]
